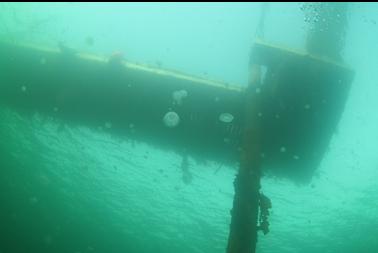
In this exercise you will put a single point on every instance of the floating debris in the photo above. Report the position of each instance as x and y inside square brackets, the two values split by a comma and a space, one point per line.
[226, 117]
[171, 119]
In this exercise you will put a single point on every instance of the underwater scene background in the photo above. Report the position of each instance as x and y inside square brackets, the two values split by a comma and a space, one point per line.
[67, 187]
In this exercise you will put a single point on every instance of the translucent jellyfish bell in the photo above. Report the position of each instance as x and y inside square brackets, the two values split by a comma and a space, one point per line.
[226, 117]
[178, 96]
[171, 119]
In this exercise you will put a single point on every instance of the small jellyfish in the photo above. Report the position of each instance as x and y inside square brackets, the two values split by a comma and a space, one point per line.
[159, 64]
[179, 96]
[132, 129]
[89, 41]
[259, 114]
[282, 149]
[33, 200]
[171, 119]
[42, 61]
[307, 106]
[55, 109]
[258, 90]
[48, 239]
[23, 88]
[108, 125]
[226, 117]
[116, 58]
[296, 157]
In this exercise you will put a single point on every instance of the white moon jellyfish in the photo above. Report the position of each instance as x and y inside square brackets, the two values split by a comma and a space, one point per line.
[171, 119]
[226, 117]
[33, 200]
[42, 61]
[178, 96]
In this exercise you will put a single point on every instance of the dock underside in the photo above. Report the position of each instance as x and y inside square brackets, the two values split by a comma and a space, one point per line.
[303, 99]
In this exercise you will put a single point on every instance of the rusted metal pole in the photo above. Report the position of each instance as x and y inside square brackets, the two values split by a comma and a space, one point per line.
[243, 228]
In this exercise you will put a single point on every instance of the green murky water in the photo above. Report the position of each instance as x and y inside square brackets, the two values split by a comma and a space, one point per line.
[75, 188]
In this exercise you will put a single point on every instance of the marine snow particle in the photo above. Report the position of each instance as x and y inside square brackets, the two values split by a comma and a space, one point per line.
[171, 119]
